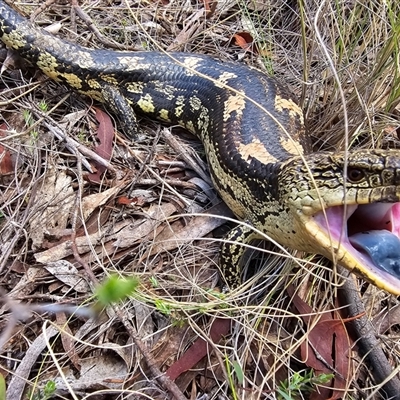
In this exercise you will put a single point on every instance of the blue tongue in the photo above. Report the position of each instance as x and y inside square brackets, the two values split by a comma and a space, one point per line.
[382, 247]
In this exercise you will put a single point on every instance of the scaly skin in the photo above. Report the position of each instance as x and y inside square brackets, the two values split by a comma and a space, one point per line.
[258, 151]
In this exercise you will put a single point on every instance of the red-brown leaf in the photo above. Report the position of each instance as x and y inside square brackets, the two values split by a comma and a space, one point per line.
[210, 6]
[245, 41]
[199, 349]
[6, 164]
[123, 200]
[67, 341]
[105, 134]
[327, 348]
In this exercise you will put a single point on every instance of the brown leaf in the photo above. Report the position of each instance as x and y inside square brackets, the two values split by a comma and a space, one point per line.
[195, 228]
[67, 341]
[120, 235]
[326, 349]
[92, 202]
[199, 349]
[384, 321]
[105, 134]
[191, 26]
[124, 201]
[210, 6]
[245, 41]
[55, 196]
[68, 274]
[11, 62]
[6, 164]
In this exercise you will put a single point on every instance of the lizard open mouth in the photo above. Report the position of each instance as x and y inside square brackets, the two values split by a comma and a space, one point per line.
[364, 239]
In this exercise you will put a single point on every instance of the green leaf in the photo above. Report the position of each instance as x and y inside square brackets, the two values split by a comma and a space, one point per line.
[284, 395]
[239, 372]
[49, 389]
[115, 289]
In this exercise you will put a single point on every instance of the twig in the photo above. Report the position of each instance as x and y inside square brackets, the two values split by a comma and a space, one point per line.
[73, 145]
[368, 345]
[163, 379]
[88, 21]
[41, 8]
[184, 153]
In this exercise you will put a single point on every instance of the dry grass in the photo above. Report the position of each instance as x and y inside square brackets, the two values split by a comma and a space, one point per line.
[340, 58]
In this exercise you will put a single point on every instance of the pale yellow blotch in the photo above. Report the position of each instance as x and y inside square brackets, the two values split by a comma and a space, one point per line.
[14, 39]
[188, 125]
[85, 59]
[146, 104]
[203, 120]
[132, 63]
[93, 84]
[179, 104]
[48, 64]
[167, 91]
[291, 146]
[257, 150]
[73, 80]
[195, 103]
[110, 79]
[289, 105]
[191, 63]
[164, 115]
[94, 94]
[135, 87]
[224, 78]
[234, 103]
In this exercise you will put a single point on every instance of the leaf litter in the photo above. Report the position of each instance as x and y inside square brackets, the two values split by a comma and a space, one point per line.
[83, 194]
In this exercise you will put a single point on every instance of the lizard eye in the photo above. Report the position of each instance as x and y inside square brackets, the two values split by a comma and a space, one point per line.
[355, 174]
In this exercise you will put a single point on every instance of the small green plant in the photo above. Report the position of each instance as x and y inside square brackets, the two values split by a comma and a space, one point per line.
[82, 137]
[238, 373]
[154, 282]
[34, 135]
[115, 289]
[301, 382]
[28, 118]
[170, 310]
[43, 106]
[43, 394]
[164, 307]
[29, 121]
[27, 115]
